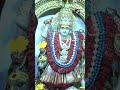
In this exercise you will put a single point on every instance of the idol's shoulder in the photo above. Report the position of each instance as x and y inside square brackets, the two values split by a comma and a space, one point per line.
[79, 34]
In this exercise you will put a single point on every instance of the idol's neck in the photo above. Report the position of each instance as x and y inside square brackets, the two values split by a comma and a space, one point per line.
[65, 37]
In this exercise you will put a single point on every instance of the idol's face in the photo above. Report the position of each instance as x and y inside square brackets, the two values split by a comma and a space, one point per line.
[64, 31]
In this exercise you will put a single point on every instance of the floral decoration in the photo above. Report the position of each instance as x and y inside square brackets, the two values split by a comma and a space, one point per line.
[31, 50]
[104, 70]
[18, 45]
[42, 45]
[12, 46]
[51, 61]
[40, 87]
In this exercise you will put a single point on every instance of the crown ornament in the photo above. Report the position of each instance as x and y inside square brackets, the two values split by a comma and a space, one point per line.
[65, 16]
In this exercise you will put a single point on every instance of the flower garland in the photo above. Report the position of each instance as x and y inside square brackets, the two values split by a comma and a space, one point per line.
[99, 54]
[110, 30]
[101, 65]
[74, 49]
[31, 50]
[51, 57]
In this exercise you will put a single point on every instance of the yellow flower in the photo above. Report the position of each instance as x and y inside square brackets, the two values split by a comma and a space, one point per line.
[21, 43]
[12, 46]
[42, 45]
[18, 45]
[39, 87]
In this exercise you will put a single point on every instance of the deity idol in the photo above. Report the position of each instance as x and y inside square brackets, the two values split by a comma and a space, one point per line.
[63, 53]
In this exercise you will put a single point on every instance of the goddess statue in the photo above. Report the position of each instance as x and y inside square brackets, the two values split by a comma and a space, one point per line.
[61, 53]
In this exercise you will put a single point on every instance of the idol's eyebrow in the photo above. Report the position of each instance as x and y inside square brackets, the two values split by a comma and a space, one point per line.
[65, 27]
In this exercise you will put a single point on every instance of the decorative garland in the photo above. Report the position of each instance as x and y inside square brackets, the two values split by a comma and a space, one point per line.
[71, 56]
[104, 55]
[51, 57]
[110, 30]
[99, 53]
[31, 48]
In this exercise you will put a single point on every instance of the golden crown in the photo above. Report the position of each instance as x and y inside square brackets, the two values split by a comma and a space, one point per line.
[66, 17]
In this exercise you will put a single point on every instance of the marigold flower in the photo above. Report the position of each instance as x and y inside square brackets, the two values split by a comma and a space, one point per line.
[39, 87]
[18, 45]
[42, 45]
[21, 43]
[12, 46]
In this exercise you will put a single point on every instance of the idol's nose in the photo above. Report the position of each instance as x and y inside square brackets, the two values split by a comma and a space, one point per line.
[64, 32]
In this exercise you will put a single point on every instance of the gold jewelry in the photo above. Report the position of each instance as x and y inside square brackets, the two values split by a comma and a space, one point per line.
[65, 16]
